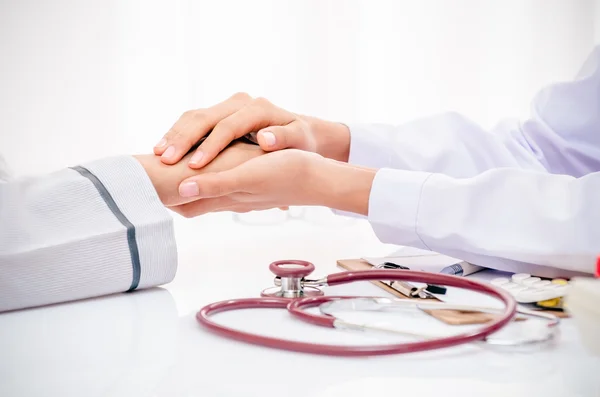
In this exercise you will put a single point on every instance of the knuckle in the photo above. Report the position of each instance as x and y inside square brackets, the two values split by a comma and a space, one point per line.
[241, 96]
[258, 111]
[199, 117]
[262, 102]
[188, 114]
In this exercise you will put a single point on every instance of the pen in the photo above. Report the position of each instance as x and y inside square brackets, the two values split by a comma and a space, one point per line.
[461, 269]
[403, 287]
[434, 289]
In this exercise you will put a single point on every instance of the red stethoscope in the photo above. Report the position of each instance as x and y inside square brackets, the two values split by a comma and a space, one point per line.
[295, 293]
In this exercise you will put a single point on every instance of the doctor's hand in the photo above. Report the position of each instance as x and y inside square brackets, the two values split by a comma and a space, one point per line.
[272, 127]
[166, 179]
[279, 179]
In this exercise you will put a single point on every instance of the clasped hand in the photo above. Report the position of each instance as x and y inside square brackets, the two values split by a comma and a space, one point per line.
[297, 160]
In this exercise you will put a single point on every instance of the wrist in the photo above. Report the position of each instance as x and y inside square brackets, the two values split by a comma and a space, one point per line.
[163, 178]
[333, 139]
[342, 186]
[148, 164]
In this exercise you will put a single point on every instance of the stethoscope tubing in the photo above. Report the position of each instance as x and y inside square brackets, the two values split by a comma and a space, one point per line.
[297, 308]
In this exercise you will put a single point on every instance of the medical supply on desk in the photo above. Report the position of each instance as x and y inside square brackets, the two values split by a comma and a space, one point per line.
[409, 289]
[583, 302]
[291, 293]
[406, 290]
[528, 289]
[556, 305]
[461, 268]
[433, 263]
[403, 289]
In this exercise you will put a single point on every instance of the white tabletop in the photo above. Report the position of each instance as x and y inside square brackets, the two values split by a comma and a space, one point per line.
[148, 343]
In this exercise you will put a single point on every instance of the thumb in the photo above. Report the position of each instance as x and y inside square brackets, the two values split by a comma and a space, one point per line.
[211, 185]
[281, 137]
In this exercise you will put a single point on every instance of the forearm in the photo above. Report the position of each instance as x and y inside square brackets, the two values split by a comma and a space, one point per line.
[341, 186]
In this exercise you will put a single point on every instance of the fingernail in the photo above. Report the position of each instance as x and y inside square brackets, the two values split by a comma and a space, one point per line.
[162, 143]
[269, 138]
[169, 152]
[196, 158]
[188, 189]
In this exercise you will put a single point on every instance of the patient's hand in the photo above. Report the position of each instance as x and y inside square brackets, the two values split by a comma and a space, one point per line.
[166, 178]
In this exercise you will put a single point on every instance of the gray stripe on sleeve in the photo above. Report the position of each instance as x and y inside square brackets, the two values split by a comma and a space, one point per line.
[110, 202]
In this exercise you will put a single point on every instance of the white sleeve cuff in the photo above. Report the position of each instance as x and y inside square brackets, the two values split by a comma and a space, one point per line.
[151, 224]
[370, 145]
[394, 206]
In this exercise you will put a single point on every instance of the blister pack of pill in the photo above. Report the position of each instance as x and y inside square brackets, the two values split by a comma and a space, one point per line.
[527, 289]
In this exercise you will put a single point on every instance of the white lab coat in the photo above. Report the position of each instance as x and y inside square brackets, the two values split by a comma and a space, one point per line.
[522, 197]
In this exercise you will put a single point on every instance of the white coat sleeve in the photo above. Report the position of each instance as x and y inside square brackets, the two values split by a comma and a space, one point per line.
[507, 218]
[561, 136]
[82, 232]
[519, 197]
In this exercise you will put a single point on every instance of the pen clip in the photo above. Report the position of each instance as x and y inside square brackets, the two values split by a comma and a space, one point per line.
[429, 290]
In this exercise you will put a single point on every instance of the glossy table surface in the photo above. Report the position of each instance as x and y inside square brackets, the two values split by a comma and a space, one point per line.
[148, 343]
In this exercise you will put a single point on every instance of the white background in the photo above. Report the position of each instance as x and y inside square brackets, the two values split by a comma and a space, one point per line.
[81, 80]
[84, 79]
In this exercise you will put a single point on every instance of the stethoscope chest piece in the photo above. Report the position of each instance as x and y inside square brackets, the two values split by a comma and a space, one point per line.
[290, 280]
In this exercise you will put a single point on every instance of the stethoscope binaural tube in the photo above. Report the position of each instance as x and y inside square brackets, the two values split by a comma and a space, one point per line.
[296, 306]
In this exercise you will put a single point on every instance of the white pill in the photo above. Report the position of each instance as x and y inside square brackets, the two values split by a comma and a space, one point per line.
[500, 281]
[510, 286]
[531, 280]
[519, 289]
[562, 289]
[523, 291]
[540, 291]
[519, 277]
[542, 283]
